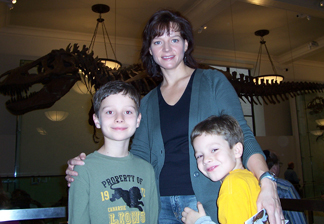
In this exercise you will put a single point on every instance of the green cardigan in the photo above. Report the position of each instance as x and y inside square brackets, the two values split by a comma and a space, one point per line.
[212, 94]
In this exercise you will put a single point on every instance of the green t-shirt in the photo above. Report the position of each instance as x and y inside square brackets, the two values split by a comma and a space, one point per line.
[113, 190]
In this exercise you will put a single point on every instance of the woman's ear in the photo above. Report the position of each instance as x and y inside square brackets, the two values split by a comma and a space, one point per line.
[186, 45]
[238, 150]
[96, 120]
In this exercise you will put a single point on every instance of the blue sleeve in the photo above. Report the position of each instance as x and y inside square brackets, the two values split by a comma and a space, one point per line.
[140, 144]
[227, 100]
[204, 220]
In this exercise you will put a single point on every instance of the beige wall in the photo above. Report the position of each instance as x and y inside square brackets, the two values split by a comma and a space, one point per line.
[276, 129]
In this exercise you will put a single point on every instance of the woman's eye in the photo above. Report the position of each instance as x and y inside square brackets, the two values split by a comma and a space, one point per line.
[109, 112]
[157, 42]
[214, 150]
[128, 112]
[198, 157]
[175, 41]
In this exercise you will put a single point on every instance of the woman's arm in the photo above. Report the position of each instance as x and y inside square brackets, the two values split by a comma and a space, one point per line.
[268, 197]
[253, 156]
[140, 143]
[70, 169]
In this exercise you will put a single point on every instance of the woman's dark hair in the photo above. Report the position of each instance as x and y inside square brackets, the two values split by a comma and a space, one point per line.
[163, 21]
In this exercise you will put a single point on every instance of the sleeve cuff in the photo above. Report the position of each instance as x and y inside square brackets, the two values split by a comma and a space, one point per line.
[204, 220]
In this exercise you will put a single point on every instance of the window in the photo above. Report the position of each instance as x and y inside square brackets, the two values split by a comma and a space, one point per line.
[246, 106]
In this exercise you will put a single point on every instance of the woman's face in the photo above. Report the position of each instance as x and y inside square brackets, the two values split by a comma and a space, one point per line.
[168, 50]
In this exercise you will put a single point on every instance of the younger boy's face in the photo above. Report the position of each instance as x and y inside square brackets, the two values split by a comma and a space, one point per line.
[215, 159]
[118, 117]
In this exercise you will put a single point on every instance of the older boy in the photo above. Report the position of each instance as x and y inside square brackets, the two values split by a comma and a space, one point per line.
[218, 144]
[114, 186]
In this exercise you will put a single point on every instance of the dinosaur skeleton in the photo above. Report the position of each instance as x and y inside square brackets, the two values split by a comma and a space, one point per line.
[59, 70]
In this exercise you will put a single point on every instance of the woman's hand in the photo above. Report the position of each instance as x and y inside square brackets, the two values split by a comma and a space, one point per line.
[190, 216]
[71, 163]
[269, 199]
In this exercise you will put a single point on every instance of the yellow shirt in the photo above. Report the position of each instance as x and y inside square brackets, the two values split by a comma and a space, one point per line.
[237, 197]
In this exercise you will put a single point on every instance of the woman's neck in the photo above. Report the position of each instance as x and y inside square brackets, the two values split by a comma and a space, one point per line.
[174, 85]
[172, 77]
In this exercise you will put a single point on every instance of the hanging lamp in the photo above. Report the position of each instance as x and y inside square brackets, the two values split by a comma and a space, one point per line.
[270, 78]
[111, 63]
[56, 115]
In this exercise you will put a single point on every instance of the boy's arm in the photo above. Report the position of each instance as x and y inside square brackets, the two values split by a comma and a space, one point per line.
[79, 201]
[190, 216]
[140, 143]
[253, 157]
[205, 220]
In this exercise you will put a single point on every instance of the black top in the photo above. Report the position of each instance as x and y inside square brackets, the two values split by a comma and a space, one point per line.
[175, 174]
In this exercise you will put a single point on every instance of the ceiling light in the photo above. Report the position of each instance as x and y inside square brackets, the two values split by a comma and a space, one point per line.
[320, 126]
[320, 122]
[84, 86]
[317, 132]
[321, 3]
[10, 3]
[301, 16]
[41, 131]
[270, 78]
[204, 27]
[312, 44]
[56, 115]
[111, 63]
[81, 88]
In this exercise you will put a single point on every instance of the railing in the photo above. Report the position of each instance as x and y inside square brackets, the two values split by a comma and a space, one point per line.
[303, 205]
[32, 214]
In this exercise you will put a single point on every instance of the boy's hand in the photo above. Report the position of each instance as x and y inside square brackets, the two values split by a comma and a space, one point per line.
[71, 163]
[190, 216]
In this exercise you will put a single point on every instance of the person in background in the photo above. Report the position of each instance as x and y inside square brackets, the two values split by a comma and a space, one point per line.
[186, 96]
[114, 186]
[291, 176]
[285, 189]
[218, 145]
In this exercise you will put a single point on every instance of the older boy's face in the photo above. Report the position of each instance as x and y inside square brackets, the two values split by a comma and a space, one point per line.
[214, 157]
[118, 118]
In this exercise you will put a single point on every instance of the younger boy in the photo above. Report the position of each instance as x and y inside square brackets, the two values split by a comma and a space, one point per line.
[114, 186]
[218, 144]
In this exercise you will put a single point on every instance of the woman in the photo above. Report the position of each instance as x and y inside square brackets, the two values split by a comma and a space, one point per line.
[186, 96]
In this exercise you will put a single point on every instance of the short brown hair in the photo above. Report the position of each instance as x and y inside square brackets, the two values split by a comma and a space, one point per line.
[112, 88]
[223, 125]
